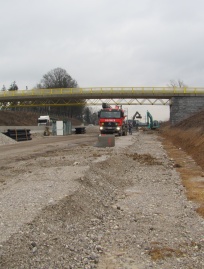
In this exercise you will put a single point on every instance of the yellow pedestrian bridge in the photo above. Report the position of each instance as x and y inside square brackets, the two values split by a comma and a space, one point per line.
[96, 96]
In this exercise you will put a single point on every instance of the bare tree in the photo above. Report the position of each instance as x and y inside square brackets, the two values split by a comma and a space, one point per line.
[177, 84]
[87, 115]
[13, 87]
[58, 78]
[90, 116]
[3, 88]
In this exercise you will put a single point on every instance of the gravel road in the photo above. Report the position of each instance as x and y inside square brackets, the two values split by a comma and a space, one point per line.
[66, 203]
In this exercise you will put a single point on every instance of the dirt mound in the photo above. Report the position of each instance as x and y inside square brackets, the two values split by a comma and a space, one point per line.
[25, 118]
[18, 118]
[195, 121]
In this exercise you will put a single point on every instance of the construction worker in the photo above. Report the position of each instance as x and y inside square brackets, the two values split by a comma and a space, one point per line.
[137, 126]
[130, 128]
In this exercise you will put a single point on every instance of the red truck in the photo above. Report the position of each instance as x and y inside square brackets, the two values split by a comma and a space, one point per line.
[112, 120]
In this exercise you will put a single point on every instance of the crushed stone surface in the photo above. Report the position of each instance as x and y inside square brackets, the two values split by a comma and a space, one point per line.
[5, 140]
[76, 205]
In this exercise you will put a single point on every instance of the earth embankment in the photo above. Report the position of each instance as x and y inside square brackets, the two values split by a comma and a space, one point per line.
[187, 137]
[26, 118]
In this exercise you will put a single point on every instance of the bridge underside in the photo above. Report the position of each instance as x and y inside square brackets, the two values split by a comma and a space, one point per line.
[81, 102]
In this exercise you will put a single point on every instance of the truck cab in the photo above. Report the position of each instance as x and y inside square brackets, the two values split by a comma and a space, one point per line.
[44, 120]
[112, 120]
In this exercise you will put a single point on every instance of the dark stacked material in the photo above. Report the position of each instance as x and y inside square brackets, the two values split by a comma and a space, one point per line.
[80, 130]
[19, 134]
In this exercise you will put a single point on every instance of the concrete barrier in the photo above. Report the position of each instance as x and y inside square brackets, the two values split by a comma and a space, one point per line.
[106, 141]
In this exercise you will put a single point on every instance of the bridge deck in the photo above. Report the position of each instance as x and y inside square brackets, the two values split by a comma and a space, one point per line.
[60, 96]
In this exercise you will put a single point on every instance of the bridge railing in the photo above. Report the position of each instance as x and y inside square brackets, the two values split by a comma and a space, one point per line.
[105, 90]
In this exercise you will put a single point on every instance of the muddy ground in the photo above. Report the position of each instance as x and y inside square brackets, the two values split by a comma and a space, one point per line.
[66, 203]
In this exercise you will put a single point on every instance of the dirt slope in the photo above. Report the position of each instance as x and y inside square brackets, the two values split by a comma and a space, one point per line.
[21, 118]
[195, 121]
[188, 135]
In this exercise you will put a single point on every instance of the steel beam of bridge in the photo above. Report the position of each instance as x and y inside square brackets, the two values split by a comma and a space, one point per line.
[96, 96]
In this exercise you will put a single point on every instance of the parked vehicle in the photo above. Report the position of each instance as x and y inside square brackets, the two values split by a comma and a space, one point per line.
[136, 115]
[44, 120]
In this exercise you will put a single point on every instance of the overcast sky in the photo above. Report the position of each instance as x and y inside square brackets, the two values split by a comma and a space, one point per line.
[103, 42]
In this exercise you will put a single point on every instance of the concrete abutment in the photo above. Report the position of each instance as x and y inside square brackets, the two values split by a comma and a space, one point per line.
[184, 107]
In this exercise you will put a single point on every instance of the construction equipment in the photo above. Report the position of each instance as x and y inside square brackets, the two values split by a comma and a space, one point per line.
[112, 120]
[151, 124]
[136, 122]
[136, 115]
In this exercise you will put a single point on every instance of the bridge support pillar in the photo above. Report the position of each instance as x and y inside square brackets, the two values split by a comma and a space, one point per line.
[184, 107]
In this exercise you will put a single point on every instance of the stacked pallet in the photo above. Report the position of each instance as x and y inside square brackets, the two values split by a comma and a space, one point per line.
[19, 134]
[80, 130]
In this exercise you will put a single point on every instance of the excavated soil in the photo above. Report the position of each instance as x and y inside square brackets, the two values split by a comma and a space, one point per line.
[67, 203]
